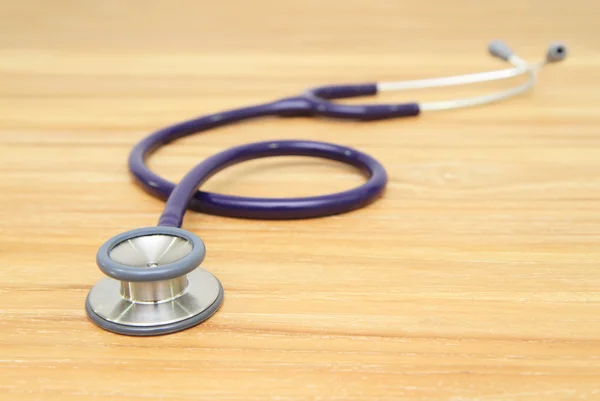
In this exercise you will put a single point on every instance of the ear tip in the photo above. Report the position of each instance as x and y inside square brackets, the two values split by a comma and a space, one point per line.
[498, 48]
[557, 51]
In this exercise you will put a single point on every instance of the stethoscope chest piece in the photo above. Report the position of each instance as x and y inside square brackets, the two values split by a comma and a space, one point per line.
[154, 284]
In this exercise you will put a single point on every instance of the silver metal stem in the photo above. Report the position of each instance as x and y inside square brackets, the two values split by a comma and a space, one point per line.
[154, 291]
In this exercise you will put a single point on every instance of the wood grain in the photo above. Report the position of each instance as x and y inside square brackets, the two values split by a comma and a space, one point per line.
[475, 277]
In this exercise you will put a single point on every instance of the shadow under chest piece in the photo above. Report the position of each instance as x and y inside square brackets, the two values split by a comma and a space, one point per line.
[155, 284]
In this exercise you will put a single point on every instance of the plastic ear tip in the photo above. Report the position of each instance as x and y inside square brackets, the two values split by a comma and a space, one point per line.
[499, 49]
[557, 51]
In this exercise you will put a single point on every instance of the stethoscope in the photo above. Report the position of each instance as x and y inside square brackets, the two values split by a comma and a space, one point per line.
[155, 284]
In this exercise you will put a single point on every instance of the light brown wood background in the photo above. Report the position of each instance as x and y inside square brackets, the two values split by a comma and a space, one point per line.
[476, 276]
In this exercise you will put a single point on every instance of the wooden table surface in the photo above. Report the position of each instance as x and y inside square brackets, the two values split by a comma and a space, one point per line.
[475, 277]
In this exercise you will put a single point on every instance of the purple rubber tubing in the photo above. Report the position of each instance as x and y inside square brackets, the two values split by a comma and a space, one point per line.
[314, 102]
